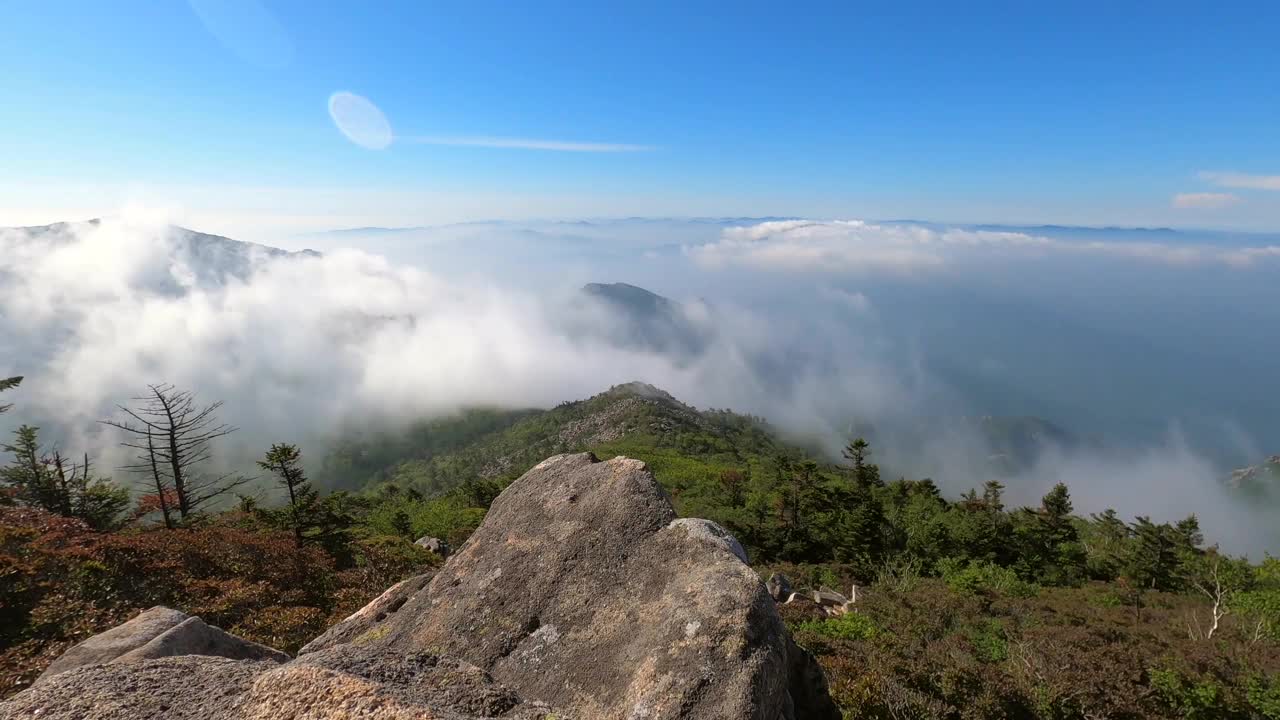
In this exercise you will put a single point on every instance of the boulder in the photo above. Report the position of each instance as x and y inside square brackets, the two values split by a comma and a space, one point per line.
[826, 596]
[779, 587]
[582, 590]
[155, 633]
[435, 545]
[580, 596]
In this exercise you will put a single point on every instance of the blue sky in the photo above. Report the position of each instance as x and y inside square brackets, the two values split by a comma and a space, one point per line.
[1083, 113]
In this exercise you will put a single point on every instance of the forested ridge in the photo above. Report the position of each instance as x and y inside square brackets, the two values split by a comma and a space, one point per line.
[967, 607]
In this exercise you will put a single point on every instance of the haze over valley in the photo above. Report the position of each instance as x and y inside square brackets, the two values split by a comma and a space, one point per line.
[1130, 364]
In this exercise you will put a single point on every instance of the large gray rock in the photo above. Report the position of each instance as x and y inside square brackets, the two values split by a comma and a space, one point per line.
[155, 633]
[580, 592]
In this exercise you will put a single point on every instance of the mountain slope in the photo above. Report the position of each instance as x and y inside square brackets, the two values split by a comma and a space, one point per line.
[644, 320]
[683, 444]
[1261, 481]
[191, 258]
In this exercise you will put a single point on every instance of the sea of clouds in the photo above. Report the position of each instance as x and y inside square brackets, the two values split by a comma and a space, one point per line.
[821, 326]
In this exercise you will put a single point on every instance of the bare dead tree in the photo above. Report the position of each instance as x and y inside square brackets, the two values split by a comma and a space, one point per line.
[1215, 585]
[154, 480]
[174, 438]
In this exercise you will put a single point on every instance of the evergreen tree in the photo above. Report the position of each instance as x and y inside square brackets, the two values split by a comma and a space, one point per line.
[27, 477]
[310, 518]
[1152, 561]
[1051, 549]
[993, 496]
[402, 524]
[9, 384]
[285, 462]
[865, 472]
[1106, 545]
[63, 488]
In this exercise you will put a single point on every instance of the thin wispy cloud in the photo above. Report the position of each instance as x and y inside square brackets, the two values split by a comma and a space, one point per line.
[1242, 180]
[363, 123]
[854, 246]
[1204, 201]
[526, 144]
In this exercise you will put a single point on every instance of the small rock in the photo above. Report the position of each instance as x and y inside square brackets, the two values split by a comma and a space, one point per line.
[779, 587]
[828, 597]
[435, 545]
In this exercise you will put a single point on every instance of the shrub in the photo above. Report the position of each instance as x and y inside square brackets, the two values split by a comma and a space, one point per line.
[1264, 696]
[989, 642]
[986, 578]
[850, 626]
[1198, 700]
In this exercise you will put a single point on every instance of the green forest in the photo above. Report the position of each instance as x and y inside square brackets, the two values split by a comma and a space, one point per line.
[966, 607]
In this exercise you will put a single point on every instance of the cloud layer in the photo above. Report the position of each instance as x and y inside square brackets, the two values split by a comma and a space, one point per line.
[302, 346]
[844, 246]
[1204, 201]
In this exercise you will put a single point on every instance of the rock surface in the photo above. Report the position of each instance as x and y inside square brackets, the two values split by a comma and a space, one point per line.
[580, 596]
[156, 633]
[435, 545]
[779, 587]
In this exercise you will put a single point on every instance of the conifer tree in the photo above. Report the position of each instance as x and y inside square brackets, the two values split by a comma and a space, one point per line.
[9, 384]
[285, 462]
[174, 437]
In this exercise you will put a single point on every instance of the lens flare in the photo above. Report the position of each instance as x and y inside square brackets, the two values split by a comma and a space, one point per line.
[360, 120]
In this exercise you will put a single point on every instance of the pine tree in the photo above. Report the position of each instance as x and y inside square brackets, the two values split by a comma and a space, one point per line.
[1152, 560]
[9, 384]
[992, 496]
[60, 487]
[1106, 546]
[865, 473]
[401, 523]
[285, 462]
[28, 477]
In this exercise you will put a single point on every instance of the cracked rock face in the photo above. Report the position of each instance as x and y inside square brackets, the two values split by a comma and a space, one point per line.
[580, 596]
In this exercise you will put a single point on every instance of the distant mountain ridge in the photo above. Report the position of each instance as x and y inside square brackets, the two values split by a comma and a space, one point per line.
[648, 321]
[210, 259]
[1261, 480]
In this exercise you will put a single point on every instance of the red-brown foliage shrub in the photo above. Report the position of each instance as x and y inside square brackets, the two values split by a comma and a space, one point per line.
[61, 582]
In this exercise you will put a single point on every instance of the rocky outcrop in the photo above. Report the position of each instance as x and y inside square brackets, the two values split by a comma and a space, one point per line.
[580, 596]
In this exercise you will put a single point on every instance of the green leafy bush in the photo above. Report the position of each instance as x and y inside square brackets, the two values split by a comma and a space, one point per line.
[986, 578]
[1194, 700]
[850, 626]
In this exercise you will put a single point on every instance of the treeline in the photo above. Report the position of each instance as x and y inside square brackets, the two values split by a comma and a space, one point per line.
[802, 512]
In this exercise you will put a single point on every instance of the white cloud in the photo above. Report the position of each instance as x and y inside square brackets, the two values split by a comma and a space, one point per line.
[527, 144]
[858, 302]
[1242, 180]
[1204, 201]
[853, 246]
[300, 347]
